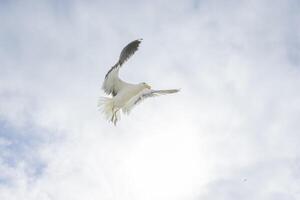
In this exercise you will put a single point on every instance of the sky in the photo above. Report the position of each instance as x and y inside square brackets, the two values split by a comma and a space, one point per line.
[231, 133]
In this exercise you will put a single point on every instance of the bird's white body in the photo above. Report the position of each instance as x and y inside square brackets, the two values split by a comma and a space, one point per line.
[124, 95]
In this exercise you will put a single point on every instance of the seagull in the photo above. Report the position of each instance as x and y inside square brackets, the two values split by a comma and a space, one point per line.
[124, 96]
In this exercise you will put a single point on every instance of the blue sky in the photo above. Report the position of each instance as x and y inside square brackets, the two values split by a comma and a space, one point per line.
[231, 133]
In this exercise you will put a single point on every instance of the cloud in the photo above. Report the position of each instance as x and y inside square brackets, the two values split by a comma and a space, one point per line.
[230, 133]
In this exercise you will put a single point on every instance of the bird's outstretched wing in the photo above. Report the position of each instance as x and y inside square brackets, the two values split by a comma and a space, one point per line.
[129, 50]
[112, 83]
[145, 94]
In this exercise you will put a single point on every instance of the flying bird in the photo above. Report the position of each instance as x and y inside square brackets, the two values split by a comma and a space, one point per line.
[124, 95]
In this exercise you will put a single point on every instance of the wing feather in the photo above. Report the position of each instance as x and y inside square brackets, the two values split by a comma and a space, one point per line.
[112, 83]
[153, 93]
[146, 93]
[129, 50]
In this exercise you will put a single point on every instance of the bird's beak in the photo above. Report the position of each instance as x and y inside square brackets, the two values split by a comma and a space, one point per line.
[148, 86]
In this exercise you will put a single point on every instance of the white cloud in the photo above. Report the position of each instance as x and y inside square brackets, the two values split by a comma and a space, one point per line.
[230, 133]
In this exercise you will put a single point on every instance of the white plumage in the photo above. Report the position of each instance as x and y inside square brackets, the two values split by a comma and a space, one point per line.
[124, 95]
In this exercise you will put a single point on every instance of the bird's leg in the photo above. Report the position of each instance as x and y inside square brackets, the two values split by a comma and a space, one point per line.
[112, 118]
[115, 121]
[115, 117]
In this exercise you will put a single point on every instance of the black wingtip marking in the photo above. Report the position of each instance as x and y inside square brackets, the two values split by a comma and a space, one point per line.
[126, 53]
[129, 50]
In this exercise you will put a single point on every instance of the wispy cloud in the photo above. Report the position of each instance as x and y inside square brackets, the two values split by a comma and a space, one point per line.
[232, 132]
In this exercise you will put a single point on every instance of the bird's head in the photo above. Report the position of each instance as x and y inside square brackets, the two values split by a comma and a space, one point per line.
[146, 85]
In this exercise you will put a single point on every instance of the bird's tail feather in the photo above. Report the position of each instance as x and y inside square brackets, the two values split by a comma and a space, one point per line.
[111, 113]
